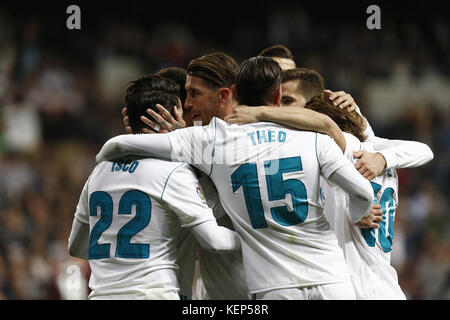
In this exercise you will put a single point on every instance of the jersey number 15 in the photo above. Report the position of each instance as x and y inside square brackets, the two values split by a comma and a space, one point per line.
[247, 177]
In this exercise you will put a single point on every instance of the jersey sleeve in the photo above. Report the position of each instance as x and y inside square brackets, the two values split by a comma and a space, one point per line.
[329, 155]
[403, 153]
[368, 132]
[183, 195]
[82, 209]
[145, 145]
[352, 144]
[194, 145]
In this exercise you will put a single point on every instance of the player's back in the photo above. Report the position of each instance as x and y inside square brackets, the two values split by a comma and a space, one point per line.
[367, 251]
[267, 177]
[133, 232]
[377, 278]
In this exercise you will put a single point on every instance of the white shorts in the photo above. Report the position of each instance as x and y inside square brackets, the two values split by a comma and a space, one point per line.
[332, 291]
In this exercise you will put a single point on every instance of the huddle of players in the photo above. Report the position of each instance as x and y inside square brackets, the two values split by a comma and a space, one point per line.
[293, 251]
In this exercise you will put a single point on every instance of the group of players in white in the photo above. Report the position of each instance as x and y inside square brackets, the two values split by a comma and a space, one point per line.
[276, 189]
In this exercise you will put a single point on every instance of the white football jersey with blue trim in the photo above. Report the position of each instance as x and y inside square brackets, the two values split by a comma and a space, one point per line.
[135, 212]
[267, 177]
[367, 251]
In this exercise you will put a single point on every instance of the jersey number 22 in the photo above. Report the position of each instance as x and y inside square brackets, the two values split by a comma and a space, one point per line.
[124, 249]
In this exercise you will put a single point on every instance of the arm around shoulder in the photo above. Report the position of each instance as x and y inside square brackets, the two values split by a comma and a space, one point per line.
[215, 238]
[305, 119]
[358, 189]
[145, 145]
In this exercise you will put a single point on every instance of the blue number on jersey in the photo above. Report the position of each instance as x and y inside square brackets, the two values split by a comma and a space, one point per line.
[124, 248]
[247, 177]
[104, 201]
[278, 188]
[388, 208]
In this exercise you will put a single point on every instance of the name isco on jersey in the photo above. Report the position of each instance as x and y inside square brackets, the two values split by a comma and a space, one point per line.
[233, 150]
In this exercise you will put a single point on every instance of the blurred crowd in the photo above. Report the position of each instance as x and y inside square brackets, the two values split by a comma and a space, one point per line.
[61, 94]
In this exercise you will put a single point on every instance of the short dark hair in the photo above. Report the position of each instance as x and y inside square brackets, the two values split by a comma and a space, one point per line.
[310, 82]
[277, 51]
[218, 69]
[179, 76]
[348, 121]
[257, 80]
[152, 82]
[137, 105]
[144, 93]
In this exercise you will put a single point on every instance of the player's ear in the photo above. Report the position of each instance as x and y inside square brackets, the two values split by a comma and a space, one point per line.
[224, 93]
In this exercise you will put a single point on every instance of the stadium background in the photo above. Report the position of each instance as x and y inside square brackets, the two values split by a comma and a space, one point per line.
[61, 93]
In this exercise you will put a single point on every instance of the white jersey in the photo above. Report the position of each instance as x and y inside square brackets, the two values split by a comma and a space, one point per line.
[135, 212]
[267, 177]
[187, 246]
[367, 251]
[222, 275]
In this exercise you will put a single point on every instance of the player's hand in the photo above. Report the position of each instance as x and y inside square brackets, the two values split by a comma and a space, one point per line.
[342, 99]
[164, 121]
[126, 120]
[372, 218]
[243, 115]
[369, 165]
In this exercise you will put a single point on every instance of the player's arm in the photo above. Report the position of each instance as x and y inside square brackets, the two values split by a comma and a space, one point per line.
[336, 168]
[403, 153]
[184, 197]
[391, 154]
[358, 189]
[192, 145]
[79, 239]
[145, 145]
[215, 238]
[79, 235]
[295, 117]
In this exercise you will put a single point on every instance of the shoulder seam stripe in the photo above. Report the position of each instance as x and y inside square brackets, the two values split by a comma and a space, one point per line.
[165, 184]
[214, 147]
[317, 157]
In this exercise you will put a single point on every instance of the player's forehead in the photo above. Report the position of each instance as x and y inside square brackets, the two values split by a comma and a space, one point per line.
[290, 87]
